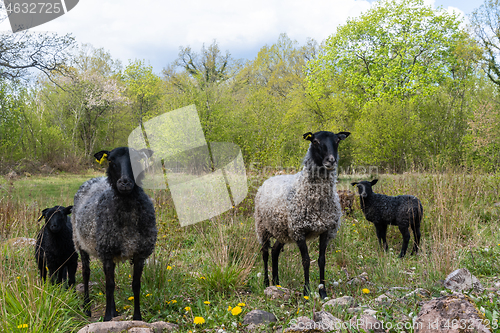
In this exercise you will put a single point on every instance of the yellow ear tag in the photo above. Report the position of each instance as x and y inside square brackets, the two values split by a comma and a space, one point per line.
[308, 136]
[40, 217]
[103, 159]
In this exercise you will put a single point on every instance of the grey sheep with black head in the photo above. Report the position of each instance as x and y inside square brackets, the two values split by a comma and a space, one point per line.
[114, 220]
[403, 211]
[54, 248]
[295, 208]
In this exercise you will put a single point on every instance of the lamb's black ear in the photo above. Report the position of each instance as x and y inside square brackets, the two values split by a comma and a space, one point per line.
[101, 156]
[343, 135]
[354, 183]
[67, 210]
[373, 182]
[308, 136]
[44, 212]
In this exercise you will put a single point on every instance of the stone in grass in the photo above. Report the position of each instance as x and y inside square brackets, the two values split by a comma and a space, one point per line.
[256, 318]
[327, 322]
[461, 279]
[383, 300]
[450, 314]
[344, 302]
[134, 326]
[366, 323]
[274, 292]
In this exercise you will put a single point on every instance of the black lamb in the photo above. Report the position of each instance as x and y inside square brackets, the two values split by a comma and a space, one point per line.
[382, 210]
[114, 220]
[54, 247]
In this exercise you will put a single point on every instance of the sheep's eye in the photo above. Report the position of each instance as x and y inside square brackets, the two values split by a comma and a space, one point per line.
[316, 141]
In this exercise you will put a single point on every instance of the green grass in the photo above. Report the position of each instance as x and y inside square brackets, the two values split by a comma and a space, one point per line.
[206, 269]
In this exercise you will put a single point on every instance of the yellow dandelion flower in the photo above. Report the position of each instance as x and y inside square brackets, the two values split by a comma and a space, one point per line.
[187, 308]
[198, 320]
[168, 302]
[22, 326]
[202, 278]
[207, 302]
[366, 291]
[169, 280]
[278, 286]
[129, 276]
[236, 311]
[100, 294]
[173, 301]
[169, 267]
[229, 308]
[131, 298]
[126, 307]
[306, 297]
[147, 295]
[241, 304]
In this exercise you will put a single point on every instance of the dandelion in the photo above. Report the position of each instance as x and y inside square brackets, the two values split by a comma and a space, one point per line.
[126, 307]
[129, 276]
[202, 278]
[147, 295]
[168, 302]
[366, 291]
[198, 320]
[169, 267]
[229, 308]
[306, 297]
[236, 311]
[100, 294]
[169, 280]
[173, 301]
[131, 298]
[278, 286]
[207, 302]
[187, 308]
[22, 326]
[241, 304]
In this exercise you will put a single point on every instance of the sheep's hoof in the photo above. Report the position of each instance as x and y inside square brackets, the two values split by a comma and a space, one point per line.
[322, 293]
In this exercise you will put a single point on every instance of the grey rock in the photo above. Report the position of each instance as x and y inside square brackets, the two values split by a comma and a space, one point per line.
[304, 325]
[327, 322]
[450, 314]
[134, 326]
[418, 292]
[383, 300]
[258, 317]
[345, 302]
[274, 292]
[461, 279]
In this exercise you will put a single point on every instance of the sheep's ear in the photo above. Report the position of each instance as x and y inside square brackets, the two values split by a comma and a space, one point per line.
[146, 151]
[44, 212]
[67, 210]
[343, 135]
[308, 136]
[101, 156]
[373, 182]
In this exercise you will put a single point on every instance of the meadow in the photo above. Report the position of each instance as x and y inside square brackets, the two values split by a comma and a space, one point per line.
[212, 269]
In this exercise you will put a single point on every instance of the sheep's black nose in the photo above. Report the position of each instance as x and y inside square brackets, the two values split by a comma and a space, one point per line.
[125, 184]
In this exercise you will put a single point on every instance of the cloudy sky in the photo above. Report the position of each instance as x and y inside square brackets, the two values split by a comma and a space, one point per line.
[154, 30]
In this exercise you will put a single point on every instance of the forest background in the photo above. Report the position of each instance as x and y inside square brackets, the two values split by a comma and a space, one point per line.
[417, 87]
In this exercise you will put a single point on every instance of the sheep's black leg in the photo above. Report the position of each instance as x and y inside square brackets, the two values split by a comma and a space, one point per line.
[406, 240]
[109, 271]
[416, 239]
[381, 235]
[306, 262]
[275, 253]
[136, 287]
[86, 276]
[323, 244]
[72, 272]
[265, 258]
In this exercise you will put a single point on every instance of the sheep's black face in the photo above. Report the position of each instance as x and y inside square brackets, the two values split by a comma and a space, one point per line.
[55, 217]
[364, 187]
[324, 147]
[119, 172]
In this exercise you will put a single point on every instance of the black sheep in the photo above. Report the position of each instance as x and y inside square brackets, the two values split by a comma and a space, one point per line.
[114, 220]
[404, 211]
[54, 247]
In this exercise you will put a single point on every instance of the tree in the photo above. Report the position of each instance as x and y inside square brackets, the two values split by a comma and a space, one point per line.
[142, 89]
[486, 25]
